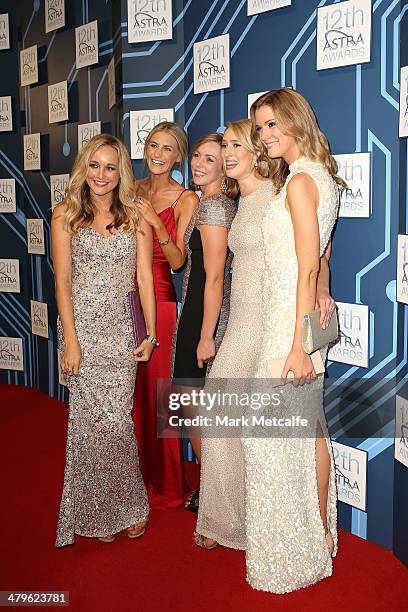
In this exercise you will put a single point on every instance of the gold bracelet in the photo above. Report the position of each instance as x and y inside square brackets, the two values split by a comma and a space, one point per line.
[164, 242]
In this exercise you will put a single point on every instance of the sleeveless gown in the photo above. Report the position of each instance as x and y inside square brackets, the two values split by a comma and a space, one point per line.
[286, 545]
[161, 460]
[103, 488]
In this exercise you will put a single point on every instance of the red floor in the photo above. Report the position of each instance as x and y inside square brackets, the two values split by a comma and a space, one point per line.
[161, 570]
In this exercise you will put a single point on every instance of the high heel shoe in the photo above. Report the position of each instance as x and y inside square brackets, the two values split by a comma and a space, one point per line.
[202, 541]
[107, 539]
[137, 530]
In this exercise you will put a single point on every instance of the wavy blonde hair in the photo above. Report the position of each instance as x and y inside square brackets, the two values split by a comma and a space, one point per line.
[295, 117]
[217, 138]
[179, 135]
[81, 209]
[242, 129]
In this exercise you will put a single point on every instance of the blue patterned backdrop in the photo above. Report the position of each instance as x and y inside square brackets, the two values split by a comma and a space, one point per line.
[357, 107]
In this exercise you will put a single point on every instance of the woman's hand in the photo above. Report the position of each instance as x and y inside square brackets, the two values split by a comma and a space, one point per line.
[144, 351]
[205, 351]
[71, 359]
[326, 305]
[301, 365]
[146, 209]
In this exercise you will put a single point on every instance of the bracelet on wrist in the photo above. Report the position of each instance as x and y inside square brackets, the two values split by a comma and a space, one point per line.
[152, 340]
[164, 242]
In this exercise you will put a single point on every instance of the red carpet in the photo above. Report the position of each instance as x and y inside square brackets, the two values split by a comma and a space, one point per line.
[161, 570]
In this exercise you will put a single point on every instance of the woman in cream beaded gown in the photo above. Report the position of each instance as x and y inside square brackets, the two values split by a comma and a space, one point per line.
[290, 479]
[221, 515]
[95, 232]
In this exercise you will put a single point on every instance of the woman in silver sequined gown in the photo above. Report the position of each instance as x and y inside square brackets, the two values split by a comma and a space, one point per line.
[95, 261]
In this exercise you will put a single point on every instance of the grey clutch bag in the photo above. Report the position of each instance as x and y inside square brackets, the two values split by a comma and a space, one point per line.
[314, 337]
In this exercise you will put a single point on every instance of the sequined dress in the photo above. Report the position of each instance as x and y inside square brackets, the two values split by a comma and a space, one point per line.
[221, 513]
[286, 546]
[103, 488]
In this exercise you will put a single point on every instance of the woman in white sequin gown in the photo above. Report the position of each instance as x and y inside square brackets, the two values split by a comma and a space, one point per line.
[95, 236]
[290, 481]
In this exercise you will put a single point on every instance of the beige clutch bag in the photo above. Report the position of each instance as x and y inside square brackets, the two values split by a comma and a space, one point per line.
[276, 368]
[314, 337]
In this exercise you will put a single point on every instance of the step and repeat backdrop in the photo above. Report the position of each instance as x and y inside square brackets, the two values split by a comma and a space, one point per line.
[73, 69]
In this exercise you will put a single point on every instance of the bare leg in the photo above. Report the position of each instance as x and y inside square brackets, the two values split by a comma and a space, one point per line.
[322, 475]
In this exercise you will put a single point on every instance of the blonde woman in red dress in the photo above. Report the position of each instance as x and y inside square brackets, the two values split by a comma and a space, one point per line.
[167, 207]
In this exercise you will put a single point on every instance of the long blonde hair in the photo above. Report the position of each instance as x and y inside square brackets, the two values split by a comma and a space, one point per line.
[179, 135]
[294, 116]
[217, 138]
[242, 130]
[81, 210]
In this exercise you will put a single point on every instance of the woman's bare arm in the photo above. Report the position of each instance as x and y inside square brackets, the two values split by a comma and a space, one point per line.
[144, 272]
[214, 241]
[175, 253]
[61, 254]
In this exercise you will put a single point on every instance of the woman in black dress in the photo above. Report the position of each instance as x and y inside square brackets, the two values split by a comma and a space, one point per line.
[206, 284]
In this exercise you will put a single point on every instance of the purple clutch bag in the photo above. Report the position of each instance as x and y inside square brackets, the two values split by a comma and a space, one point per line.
[138, 322]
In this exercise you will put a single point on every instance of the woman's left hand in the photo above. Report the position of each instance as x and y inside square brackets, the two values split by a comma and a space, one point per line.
[205, 351]
[146, 209]
[301, 365]
[326, 305]
[144, 351]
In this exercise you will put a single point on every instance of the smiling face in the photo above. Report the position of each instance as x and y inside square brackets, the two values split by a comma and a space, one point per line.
[103, 171]
[239, 162]
[277, 143]
[206, 165]
[162, 153]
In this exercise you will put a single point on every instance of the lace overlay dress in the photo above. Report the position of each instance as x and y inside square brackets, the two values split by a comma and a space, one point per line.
[286, 546]
[221, 514]
[103, 488]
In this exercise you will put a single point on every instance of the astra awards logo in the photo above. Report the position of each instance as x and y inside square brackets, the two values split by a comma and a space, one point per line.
[352, 347]
[11, 354]
[351, 474]
[403, 123]
[401, 430]
[35, 236]
[212, 64]
[355, 169]
[86, 37]
[32, 153]
[54, 14]
[39, 318]
[344, 34]
[6, 118]
[4, 31]
[149, 20]
[9, 276]
[141, 123]
[7, 195]
[58, 102]
[86, 131]
[58, 186]
[402, 269]
[261, 6]
[29, 66]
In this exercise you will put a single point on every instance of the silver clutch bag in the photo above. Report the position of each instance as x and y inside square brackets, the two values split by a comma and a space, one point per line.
[314, 337]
